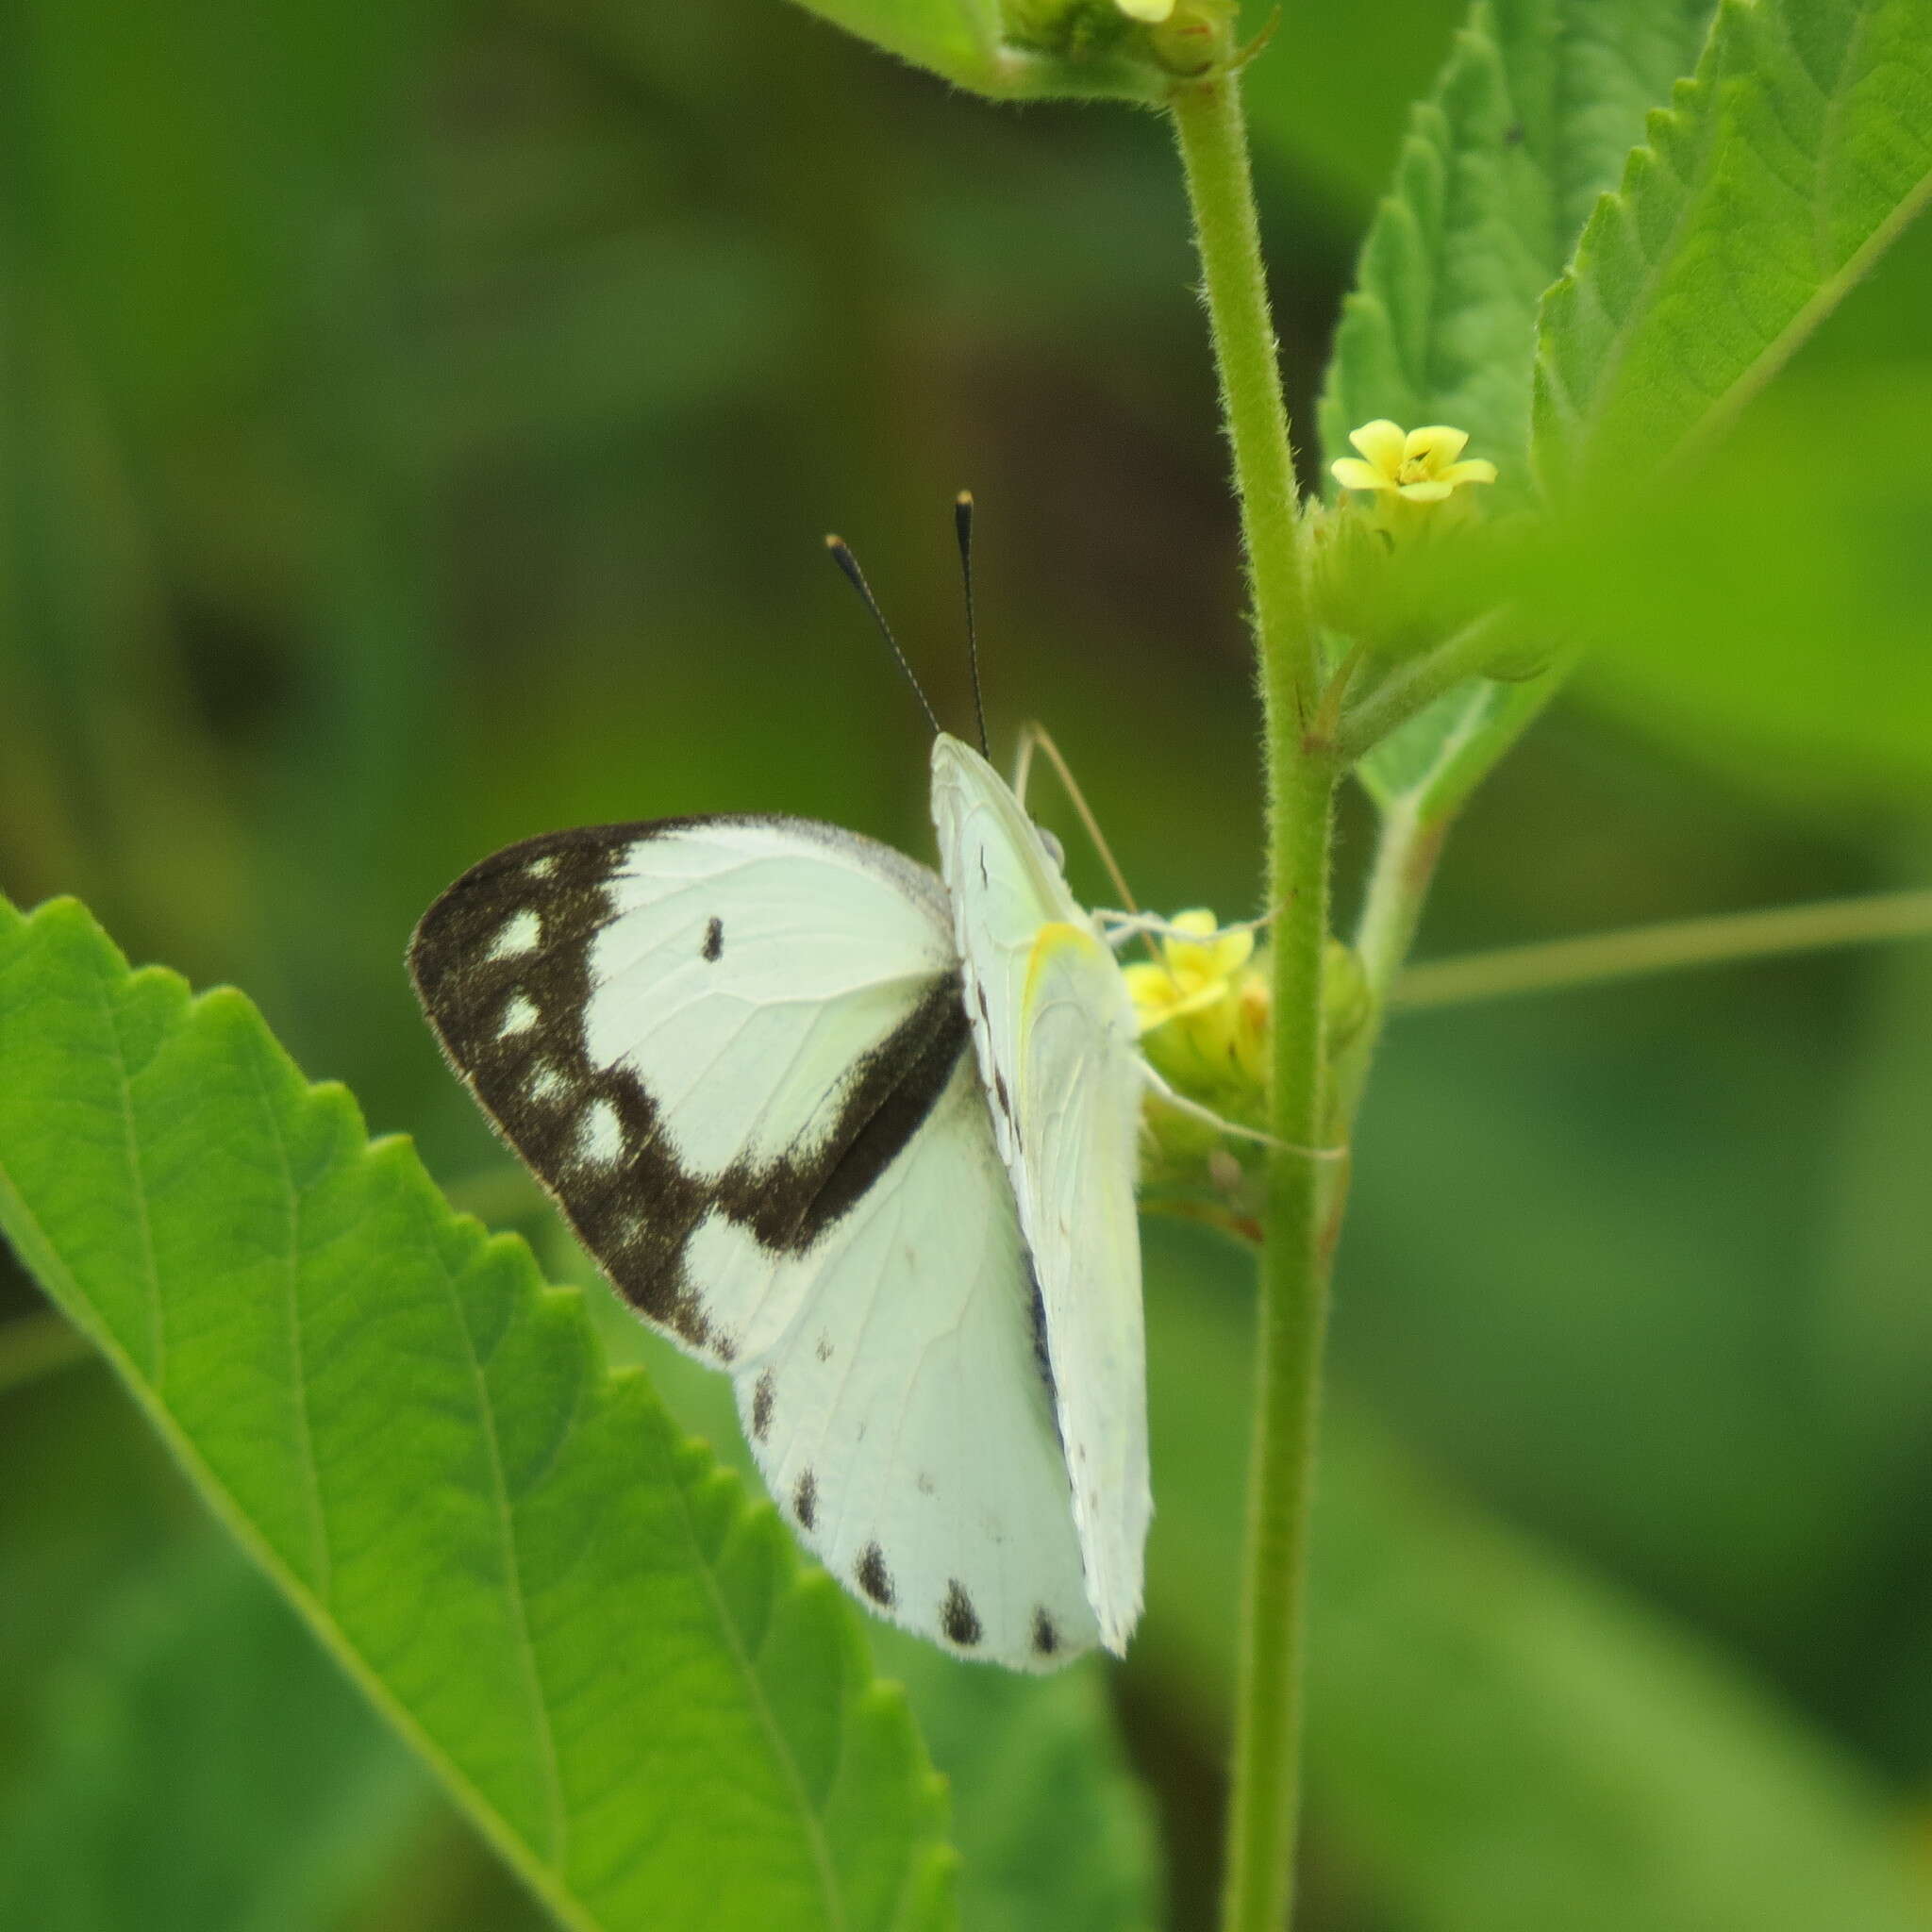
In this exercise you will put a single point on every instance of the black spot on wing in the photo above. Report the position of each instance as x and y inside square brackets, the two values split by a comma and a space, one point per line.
[1046, 1639]
[999, 1089]
[638, 1213]
[874, 1577]
[713, 948]
[823, 1348]
[805, 1499]
[762, 1397]
[957, 1618]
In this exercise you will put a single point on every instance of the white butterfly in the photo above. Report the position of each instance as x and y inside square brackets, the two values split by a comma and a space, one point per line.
[866, 1138]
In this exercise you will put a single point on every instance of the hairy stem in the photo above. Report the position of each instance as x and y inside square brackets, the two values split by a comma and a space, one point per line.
[1416, 686]
[1265, 1780]
[1214, 152]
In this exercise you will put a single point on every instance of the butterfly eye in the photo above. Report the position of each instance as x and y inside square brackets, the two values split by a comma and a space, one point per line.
[1054, 850]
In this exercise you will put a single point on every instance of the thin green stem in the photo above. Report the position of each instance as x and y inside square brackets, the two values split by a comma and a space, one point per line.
[1723, 939]
[1409, 843]
[1417, 685]
[1264, 1798]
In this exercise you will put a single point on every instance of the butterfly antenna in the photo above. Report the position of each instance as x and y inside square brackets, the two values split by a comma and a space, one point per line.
[962, 528]
[843, 557]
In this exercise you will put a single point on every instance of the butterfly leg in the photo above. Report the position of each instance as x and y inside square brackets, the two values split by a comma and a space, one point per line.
[1208, 1117]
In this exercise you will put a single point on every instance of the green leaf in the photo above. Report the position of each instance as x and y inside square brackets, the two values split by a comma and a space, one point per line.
[1054, 1831]
[1484, 1710]
[164, 1793]
[622, 1670]
[1776, 177]
[974, 43]
[1498, 1742]
[1529, 123]
[1777, 633]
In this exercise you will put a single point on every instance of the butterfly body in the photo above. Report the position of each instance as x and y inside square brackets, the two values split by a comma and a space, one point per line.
[760, 1063]
[1056, 1039]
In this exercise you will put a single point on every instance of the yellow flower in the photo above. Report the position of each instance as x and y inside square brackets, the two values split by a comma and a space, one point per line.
[1195, 973]
[1419, 465]
[1150, 11]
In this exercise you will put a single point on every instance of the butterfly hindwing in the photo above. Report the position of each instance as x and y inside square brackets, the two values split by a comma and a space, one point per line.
[1056, 1043]
[905, 1422]
[735, 1051]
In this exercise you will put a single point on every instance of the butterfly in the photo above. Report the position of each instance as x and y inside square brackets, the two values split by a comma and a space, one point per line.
[865, 1136]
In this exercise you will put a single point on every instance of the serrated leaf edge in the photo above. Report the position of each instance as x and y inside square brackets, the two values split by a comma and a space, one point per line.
[929, 1869]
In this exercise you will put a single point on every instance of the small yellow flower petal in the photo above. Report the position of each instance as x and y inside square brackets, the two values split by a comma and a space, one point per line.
[1151, 987]
[1437, 446]
[1152, 11]
[1160, 996]
[1471, 470]
[1434, 491]
[1353, 474]
[1197, 951]
[1381, 441]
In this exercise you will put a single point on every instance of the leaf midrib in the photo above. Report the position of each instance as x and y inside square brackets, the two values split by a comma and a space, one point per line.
[558, 1849]
[312, 1471]
[158, 1325]
[781, 1749]
[549, 1886]
[150, 1392]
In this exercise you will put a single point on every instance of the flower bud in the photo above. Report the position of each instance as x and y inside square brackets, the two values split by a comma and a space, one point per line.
[1346, 1002]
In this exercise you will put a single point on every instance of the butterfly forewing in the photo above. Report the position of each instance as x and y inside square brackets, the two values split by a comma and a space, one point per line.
[1053, 1032]
[735, 1051]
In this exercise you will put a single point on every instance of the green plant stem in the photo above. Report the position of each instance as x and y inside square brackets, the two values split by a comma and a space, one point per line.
[1416, 685]
[1213, 140]
[1264, 1797]
[1723, 939]
[1407, 848]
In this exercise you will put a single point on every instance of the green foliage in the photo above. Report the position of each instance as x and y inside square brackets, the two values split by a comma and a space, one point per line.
[615, 1663]
[1053, 1830]
[1021, 49]
[1776, 177]
[1527, 125]
[1054, 1835]
[1499, 1742]
[1780, 625]
[163, 1792]
[381, 486]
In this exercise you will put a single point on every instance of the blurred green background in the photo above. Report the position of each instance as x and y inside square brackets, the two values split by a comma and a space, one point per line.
[419, 423]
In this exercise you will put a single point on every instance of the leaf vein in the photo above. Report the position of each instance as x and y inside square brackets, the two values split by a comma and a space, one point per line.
[558, 1850]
